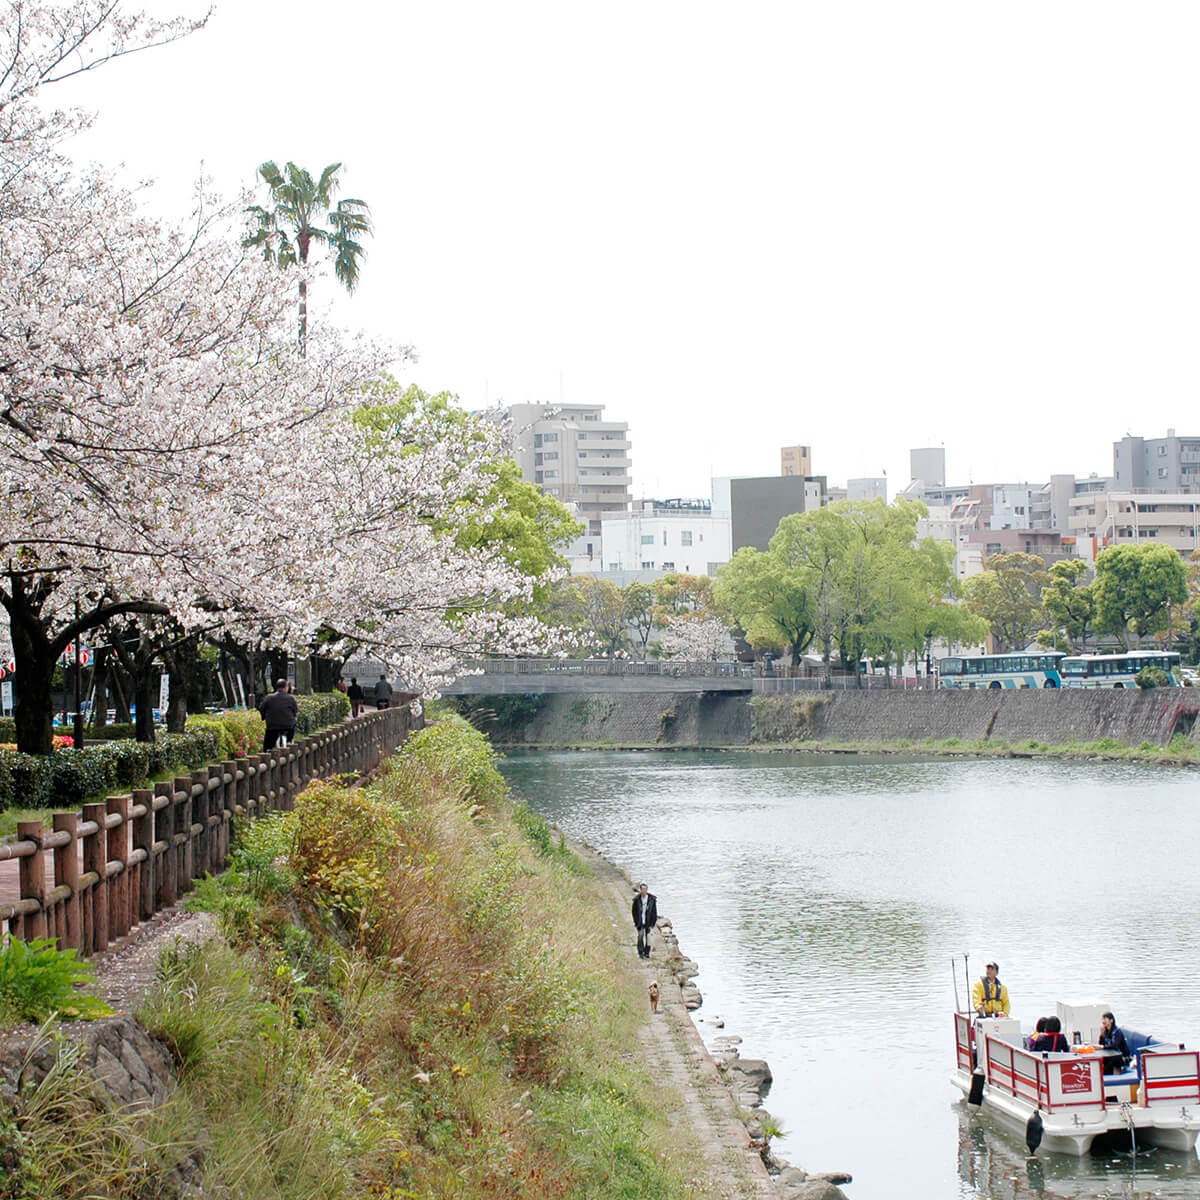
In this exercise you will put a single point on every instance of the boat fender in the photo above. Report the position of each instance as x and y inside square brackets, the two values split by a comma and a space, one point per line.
[1033, 1132]
[975, 1096]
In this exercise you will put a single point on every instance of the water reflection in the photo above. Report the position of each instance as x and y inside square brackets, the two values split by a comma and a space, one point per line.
[825, 897]
[992, 1168]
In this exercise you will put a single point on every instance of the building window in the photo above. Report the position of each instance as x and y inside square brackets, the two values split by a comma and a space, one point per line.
[549, 474]
[685, 537]
[614, 566]
[712, 568]
[548, 437]
[647, 566]
[664, 537]
[993, 548]
[1162, 472]
[537, 440]
[550, 455]
[647, 539]
[668, 566]
[1162, 452]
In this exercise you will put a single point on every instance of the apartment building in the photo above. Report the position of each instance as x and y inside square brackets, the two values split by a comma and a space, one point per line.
[1170, 464]
[574, 454]
[1125, 518]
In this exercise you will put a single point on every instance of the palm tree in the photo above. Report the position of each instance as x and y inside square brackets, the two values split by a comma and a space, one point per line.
[300, 214]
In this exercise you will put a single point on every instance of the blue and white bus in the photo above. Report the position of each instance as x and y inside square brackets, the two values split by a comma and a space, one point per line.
[1119, 670]
[1001, 670]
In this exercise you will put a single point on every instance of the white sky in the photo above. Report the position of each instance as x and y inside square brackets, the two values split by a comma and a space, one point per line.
[864, 226]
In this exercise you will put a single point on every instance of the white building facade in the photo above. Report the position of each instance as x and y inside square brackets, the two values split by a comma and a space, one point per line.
[666, 536]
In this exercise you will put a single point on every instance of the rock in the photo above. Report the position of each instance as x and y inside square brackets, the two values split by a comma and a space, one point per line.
[750, 1077]
[815, 1189]
[691, 997]
[791, 1177]
[833, 1176]
[718, 1022]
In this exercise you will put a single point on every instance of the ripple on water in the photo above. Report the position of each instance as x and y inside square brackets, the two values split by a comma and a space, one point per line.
[824, 899]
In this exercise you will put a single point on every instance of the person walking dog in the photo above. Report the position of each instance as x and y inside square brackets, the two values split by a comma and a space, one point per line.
[645, 917]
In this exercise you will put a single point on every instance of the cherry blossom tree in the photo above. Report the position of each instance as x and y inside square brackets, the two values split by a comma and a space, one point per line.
[167, 451]
[695, 638]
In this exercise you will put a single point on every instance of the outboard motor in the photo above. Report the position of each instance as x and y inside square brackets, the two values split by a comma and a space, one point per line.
[1033, 1132]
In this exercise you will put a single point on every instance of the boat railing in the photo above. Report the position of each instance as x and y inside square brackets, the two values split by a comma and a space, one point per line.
[1170, 1076]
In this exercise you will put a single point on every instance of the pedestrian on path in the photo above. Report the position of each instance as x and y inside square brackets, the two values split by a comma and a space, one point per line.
[645, 917]
[354, 694]
[383, 692]
[279, 710]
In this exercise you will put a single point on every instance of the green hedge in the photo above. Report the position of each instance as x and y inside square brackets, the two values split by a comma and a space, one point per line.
[8, 729]
[66, 778]
[320, 710]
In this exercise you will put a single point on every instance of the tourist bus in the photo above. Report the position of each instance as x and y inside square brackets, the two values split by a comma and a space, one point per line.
[1020, 670]
[1119, 670]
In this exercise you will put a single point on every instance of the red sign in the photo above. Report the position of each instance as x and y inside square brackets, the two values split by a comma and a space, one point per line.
[1076, 1077]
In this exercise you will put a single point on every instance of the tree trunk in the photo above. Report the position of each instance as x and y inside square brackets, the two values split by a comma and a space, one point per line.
[144, 689]
[33, 712]
[100, 699]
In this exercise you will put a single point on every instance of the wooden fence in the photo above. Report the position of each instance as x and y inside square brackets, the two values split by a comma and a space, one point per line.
[119, 862]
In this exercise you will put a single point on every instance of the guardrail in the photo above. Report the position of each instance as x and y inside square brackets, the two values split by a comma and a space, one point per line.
[101, 871]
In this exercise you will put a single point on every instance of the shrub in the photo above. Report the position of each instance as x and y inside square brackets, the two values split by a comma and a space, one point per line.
[8, 729]
[114, 733]
[455, 754]
[37, 981]
[21, 780]
[1152, 677]
[320, 710]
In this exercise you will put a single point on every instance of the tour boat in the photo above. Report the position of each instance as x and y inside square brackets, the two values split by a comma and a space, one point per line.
[1061, 1103]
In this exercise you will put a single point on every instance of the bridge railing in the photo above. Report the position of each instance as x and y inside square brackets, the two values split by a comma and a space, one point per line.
[102, 871]
[670, 668]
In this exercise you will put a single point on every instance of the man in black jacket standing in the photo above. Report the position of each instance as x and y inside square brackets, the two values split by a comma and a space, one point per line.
[279, 710]
[645, 917]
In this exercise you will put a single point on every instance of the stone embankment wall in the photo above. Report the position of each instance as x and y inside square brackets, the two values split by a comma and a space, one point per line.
[715, 719]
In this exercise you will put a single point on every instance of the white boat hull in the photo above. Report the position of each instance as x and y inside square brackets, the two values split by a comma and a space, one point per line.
[1069, 1094]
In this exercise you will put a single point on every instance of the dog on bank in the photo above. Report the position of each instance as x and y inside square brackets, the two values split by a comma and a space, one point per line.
[654, 997]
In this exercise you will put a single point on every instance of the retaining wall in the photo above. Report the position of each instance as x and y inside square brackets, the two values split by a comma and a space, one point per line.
[714, 719]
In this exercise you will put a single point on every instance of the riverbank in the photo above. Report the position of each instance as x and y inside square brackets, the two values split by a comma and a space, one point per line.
[417, 989]
[1157, 725]
[720, 1101]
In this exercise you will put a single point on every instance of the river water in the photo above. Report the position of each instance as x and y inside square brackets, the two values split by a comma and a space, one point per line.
[825, 896]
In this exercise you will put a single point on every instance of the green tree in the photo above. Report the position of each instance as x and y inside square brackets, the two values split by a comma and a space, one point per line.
[639, 611]
[300, 215]
[769, 599]
[525, 526]
[1007, 594]
[1069, 605]
[1135, 587]
[604, 613]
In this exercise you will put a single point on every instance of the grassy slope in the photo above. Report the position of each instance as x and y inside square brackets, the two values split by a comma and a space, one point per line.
[419, 999]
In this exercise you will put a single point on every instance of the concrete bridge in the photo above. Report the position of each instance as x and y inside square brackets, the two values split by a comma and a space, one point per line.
[592, 676]
[588, 676]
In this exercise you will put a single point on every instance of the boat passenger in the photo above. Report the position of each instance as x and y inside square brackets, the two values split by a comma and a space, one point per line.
[989, 997]
[1051, 1038]
[1111, 1038]
[1038, 1030]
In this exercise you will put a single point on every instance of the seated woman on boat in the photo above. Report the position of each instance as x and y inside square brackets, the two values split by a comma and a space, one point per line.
[1111, 1038]
[1051, 1038]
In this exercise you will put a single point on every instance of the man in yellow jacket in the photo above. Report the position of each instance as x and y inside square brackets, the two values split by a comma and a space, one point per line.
[989, 997]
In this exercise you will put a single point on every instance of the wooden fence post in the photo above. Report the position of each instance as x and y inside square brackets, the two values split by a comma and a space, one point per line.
[229, 804]
[167, 875]
[66, 872]
[183, 824]
[118, 852]
[31, 874]
[148, 869]
[95, 861]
